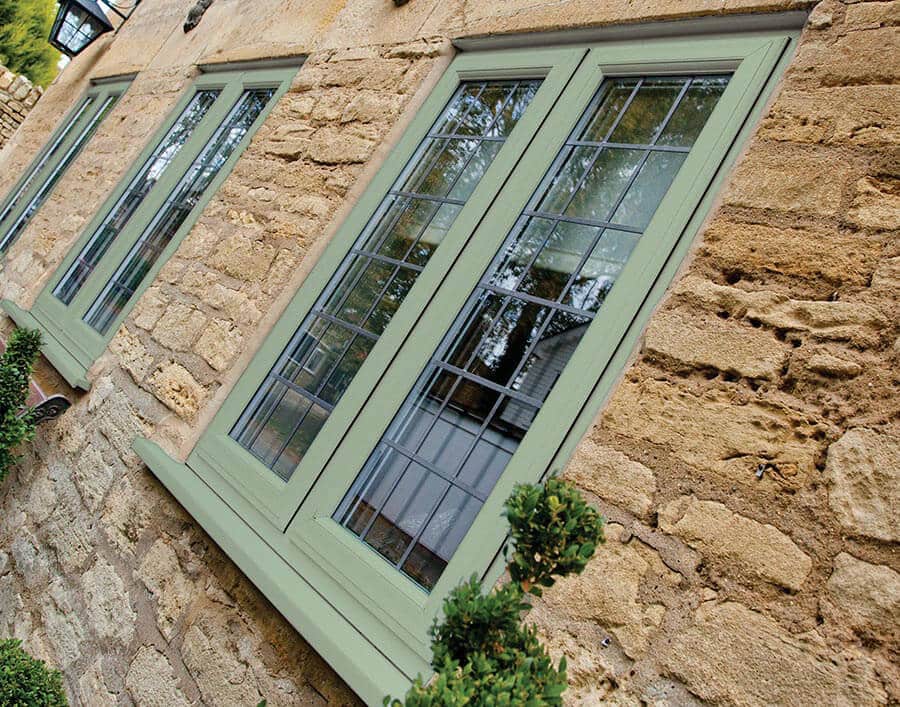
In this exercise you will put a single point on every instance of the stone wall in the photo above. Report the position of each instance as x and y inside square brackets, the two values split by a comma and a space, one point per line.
[17, 97]
[747, 461]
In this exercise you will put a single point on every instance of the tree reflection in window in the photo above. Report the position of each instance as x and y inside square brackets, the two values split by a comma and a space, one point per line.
[431, 472]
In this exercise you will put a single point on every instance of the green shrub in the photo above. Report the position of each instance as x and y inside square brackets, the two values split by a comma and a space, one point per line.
[16, 365]
[26, 681]
[482, 654]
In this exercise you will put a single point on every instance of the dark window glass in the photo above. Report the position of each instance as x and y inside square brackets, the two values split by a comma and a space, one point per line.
[180, 203]
[134, 195]
[421, 489]
[290, 408]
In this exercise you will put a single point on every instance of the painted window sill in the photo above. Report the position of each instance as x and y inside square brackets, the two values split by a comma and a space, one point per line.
[360, 664]
[72, 371]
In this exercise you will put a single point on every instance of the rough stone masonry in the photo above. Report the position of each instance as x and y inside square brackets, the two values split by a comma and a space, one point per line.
[17, 97]
[776, 349]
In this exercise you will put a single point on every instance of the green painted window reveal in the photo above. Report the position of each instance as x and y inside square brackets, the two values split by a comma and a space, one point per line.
[137, 190]
[489, 367]
[428, 478]
[148, 214]
[331, 345]
[36, 186]
[119, 291]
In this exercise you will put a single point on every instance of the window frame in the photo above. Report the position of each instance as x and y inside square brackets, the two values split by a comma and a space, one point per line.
[70, 343]
[250, 483]
[63, 139]
[363, 616]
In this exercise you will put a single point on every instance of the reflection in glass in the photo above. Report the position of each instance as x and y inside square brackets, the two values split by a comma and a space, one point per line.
[134, 195]
[439, 460]
[379, 272]
[163, 227]
[56, 173]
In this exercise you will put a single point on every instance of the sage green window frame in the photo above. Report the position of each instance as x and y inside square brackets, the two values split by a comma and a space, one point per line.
[65, 144]
[367, 619]
[72, 345]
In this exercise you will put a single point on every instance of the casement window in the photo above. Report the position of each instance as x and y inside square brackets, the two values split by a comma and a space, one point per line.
[148, 215]
[51, 164]
[462, 330]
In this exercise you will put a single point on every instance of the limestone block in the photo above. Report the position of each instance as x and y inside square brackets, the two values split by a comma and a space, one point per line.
[30, 563]
[840, 320]
[219, 344]
[820, 261]
[833, 366]
[151, 680]
[92, 687]
[713, 343]
[863, 471]
[149, 309]
[607, 592]
[108, 605]
[868, 594]
[332, 146]
[125, 515]
[739, 545]
[92, 475]
[133, 355]
[161, 573]
[869, 15]
[62, 624]
[713, 434]
[243, 257]
[612, 476]
[876, 203]
[179, 327]
[848, 60]
[789, 179]
[70, 533]
[178, 390]
[732, 655]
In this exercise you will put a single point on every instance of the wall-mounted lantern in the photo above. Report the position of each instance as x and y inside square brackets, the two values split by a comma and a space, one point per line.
[80, 22]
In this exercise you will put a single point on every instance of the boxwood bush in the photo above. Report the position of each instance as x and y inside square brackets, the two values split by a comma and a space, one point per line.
[482, 653]
[27, 681]
[16, 365]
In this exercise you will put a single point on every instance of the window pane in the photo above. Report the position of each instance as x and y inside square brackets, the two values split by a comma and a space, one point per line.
[397, 243]
[484, 387]
[46, 158]
[177, 207]
[134, 195]
[56, 173]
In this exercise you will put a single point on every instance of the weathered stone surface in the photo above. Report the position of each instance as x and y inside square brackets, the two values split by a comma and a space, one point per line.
[873, 14]
[869, 594]
[92, 687]
[178, 390]
[839, 320]
[62, 625]
[243, 257]
[30, 563]
[108, 605]
[863, 470]
[732, 655]
[149, 309]
[125, 515]
[219, 343]
[814, 261]
[876, 203]
[713, 433]
[92, 475]
[612, 476]
[151, 680]
[830, 365]
[179, 327]
[739, 545]
[608, 591]
[162, 575]
[847, 61]
[706, 343]
[132, 354]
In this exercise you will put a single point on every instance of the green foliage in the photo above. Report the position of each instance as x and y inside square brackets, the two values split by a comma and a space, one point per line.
[24, 29]
[26, 681]
[555, 533]
[16, 365]
[482, 653]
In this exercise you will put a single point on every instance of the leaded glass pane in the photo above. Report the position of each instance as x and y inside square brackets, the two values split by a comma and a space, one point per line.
[177, 207]
[56, 173]
[376, 276]
[420, 491]
[134, 195]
